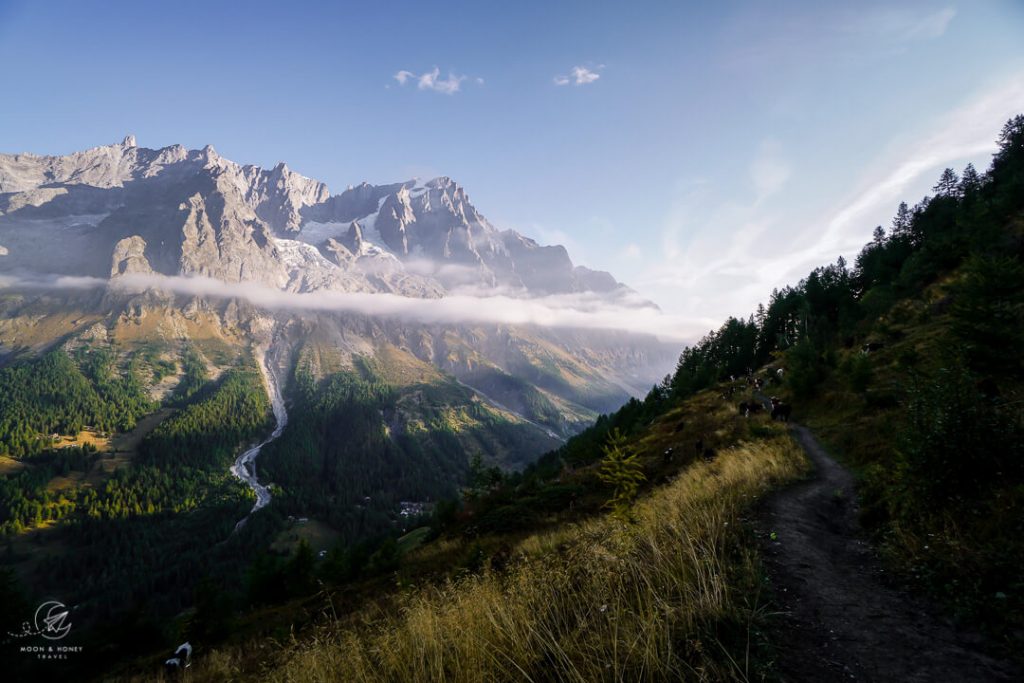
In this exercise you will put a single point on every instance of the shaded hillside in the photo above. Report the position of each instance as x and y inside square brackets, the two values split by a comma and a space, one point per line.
[527, 576]
[909, 364]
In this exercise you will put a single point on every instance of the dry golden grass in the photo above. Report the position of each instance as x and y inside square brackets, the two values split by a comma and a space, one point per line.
[600, 601]
[101, 443]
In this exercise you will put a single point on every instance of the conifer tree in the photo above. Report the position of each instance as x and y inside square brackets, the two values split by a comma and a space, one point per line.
[901, 222]
[948, 185]
[622, 470]
[970, 181]
[1011, 140]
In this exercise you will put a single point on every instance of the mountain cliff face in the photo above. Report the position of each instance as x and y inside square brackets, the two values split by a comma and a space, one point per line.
[192, 212]
[104, 338]
[122, 209]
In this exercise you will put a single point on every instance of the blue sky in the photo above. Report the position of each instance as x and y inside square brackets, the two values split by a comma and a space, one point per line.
[703, 154]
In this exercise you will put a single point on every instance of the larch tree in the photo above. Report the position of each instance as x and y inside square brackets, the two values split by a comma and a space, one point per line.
[621, 469]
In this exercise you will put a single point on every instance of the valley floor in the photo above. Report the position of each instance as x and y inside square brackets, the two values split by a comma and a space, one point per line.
[839, 618]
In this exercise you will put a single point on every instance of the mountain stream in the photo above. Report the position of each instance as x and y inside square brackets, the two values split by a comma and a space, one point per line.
[245, 465]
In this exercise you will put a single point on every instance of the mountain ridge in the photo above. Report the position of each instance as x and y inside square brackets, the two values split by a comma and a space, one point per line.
[194, 212]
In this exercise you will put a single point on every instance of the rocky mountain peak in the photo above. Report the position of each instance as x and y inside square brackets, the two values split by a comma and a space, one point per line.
[129, 257]
[354, 238]
[195, 212]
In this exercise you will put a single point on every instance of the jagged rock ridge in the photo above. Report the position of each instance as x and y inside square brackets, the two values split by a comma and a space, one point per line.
[193, 212]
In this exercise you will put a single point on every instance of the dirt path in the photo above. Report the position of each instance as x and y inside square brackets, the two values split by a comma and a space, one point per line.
[839, 620]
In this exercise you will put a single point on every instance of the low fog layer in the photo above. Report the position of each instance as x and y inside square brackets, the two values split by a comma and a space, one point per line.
[579, 310]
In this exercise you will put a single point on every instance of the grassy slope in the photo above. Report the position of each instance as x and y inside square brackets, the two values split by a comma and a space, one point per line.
[580, 597]
[650, 602]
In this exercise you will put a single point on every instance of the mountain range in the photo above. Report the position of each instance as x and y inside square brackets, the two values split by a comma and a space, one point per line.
[126, 209]
[121, 210]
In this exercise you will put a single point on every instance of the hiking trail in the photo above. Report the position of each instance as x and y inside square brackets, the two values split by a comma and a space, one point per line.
[839, 619]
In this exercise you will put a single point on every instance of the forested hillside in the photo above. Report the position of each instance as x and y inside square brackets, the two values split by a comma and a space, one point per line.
[907, 362]
[55, 394]
[357, 446]
[910, 362]
[119, 530]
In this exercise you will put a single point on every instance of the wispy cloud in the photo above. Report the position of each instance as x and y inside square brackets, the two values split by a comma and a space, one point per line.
[626, 312]
[722, 257]
[431, 80]
[579, 75]
[761, 38]
[966, 133]
[906, 25]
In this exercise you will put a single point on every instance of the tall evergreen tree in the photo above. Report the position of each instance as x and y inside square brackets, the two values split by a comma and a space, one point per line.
[901, 222]
[970, 181]
[1011, 141]
[948, 185]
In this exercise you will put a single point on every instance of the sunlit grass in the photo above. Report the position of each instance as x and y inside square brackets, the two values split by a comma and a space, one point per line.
[668, 597]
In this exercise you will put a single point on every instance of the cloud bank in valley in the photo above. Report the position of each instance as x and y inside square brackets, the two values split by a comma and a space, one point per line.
[580, 310]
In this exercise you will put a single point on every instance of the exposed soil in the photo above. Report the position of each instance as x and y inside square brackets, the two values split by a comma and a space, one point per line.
[838, 618]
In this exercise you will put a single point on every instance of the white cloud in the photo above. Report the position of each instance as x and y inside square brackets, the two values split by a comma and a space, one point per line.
[722, 258]
[633, 251]
[968, 132]
[431, 80]
[587, 310]
[579, 75]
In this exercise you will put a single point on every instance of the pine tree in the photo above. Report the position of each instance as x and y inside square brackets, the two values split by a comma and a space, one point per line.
[970, 181]
[622, 470]
[1011, 139]
[948, 185]
[901, 222]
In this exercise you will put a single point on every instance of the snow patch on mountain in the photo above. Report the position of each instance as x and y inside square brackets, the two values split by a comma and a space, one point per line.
[198, 213]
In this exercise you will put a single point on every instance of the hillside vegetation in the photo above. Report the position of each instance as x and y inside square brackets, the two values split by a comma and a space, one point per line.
[621, 555]
[662, 598]
[141, 531]
[909, 363]
[531, 578]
